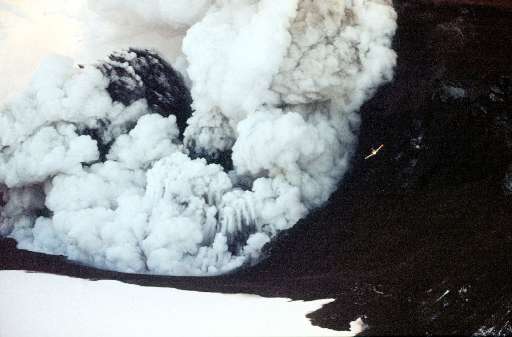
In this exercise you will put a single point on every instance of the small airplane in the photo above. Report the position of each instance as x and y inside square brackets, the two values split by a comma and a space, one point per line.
[374, 152]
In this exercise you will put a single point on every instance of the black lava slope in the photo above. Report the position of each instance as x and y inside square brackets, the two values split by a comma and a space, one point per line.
[418, 239]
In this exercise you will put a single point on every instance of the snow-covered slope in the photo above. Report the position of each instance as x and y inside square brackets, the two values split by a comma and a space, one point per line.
[54, 306]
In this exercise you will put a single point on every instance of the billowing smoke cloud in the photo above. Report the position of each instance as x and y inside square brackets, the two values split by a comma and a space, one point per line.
[276, 86]
[176, 13]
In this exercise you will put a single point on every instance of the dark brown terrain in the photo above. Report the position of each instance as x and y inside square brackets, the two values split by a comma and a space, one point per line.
[418, 239]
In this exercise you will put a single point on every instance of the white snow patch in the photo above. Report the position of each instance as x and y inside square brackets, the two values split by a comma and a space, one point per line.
[55, 306]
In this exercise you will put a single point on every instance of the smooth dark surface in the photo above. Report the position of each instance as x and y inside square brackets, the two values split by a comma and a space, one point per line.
[419, 238]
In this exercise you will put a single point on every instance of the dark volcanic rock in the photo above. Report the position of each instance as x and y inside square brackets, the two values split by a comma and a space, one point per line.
[418, 238]
[422, 230]
[446, 119]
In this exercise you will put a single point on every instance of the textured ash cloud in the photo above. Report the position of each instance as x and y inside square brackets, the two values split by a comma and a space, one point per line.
[275, 85]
